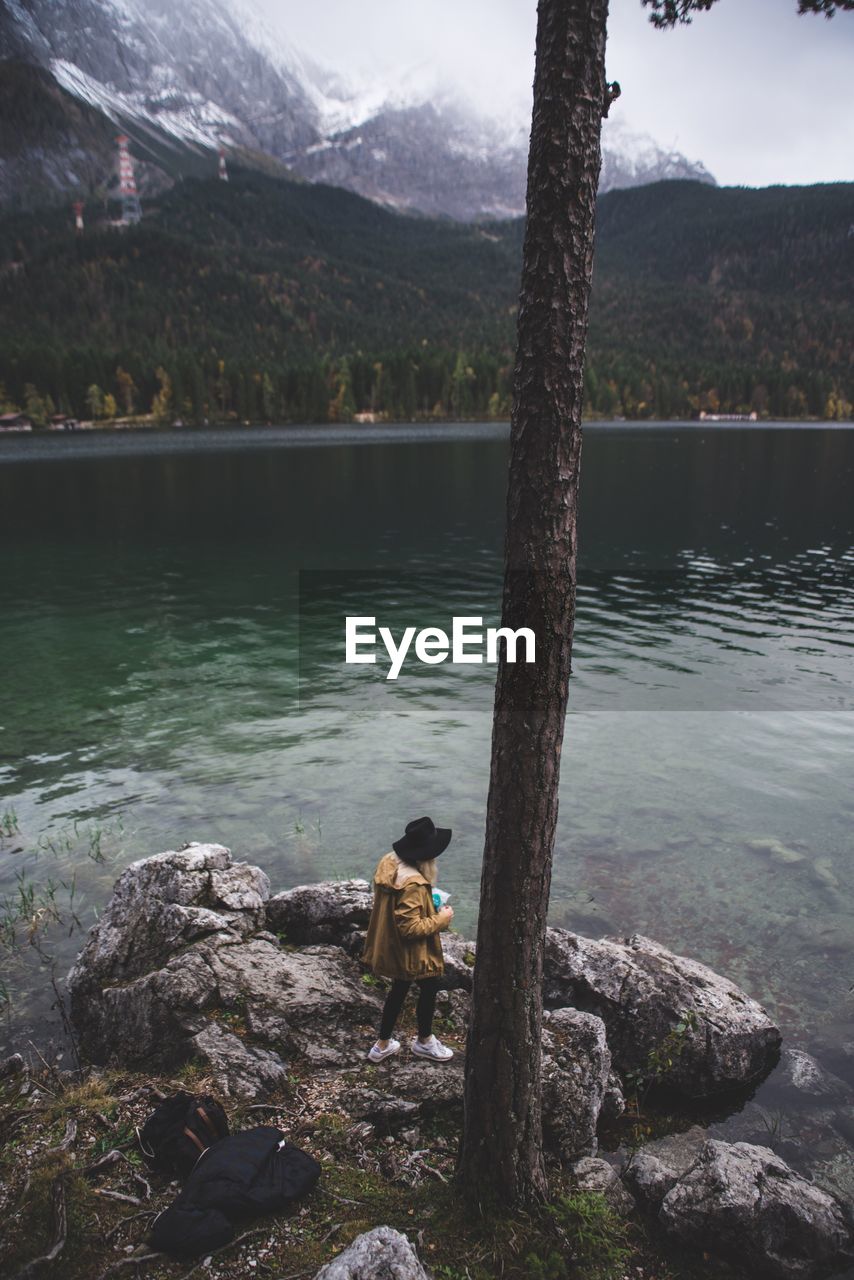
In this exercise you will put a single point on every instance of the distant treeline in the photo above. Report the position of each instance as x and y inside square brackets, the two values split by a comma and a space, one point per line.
[265, 300]
[400, 386]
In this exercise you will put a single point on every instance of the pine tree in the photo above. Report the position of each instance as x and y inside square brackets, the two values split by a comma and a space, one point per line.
[161, 405]
[95, 401]
[501, 1156]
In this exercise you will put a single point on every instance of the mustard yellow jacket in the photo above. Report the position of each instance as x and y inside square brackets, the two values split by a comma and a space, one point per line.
[403, 932]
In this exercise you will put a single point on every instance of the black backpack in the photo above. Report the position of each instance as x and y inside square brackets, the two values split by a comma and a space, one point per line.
[248, 1174]
[180, 1130]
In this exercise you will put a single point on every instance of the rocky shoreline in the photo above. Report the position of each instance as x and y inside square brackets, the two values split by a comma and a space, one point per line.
[195, 965]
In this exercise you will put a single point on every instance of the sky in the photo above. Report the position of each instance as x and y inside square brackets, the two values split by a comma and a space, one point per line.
[757, 93]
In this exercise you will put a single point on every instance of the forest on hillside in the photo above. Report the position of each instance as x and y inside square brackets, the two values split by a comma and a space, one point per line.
[269, 300]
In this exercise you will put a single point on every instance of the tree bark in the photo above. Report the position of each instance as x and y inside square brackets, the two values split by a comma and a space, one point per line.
[501, 1157]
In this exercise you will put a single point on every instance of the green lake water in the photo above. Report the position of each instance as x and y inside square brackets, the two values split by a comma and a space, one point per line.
[172, 640]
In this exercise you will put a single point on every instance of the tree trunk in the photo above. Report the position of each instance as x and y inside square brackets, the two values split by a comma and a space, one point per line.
[501, 1156]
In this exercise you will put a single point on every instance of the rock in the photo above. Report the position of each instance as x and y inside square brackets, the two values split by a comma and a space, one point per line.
[576, 1067]
[166, 902]
[182, 940]
[642, 991]
[459, 961]
[241, 1071]
[11, 1066]
[597, 1175]
[836, 1177]
[747, 1204]
[406, 1091]
[383, 1110]
[658, 1166]
[381, 1254]
[332, 911]
[613, 1100]
[776, 850]
[801, 1074]
[824, 874]
[453, 1009]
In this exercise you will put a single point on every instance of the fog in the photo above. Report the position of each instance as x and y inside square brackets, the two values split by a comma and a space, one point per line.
[757, 93]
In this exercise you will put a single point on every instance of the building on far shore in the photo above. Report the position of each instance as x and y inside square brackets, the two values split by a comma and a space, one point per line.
[729, 417]
[62, 422]
[15, 422]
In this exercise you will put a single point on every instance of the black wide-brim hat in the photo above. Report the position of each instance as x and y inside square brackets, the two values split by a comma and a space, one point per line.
[422, 841]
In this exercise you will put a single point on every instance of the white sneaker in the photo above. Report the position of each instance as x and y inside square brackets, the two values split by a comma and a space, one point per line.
[432, 1048]
[376, 1054]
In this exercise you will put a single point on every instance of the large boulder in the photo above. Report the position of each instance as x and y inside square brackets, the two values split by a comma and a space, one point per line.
[166, 902]
[643, 992]
[658, 1166]
[331, 911]
[381, 1254]
[182, 949]
[576, 1070]
[744, 1203]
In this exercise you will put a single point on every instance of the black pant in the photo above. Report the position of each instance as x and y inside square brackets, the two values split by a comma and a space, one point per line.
[427, 991]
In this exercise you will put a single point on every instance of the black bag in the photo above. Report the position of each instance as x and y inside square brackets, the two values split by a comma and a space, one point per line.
[179, 1130]
[249, 1174]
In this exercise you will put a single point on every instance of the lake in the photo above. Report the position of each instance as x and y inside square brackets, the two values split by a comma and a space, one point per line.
[172, 643]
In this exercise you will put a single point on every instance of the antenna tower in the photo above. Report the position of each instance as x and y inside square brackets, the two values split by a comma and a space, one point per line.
[78, 215]
[128, 194]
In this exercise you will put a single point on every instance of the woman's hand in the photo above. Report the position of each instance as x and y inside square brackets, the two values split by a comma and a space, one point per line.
[446, 915]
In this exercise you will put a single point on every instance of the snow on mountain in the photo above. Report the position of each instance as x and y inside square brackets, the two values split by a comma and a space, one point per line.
[189, 117]
[212, 72]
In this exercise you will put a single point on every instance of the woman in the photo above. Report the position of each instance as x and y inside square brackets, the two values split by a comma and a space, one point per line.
[403, 936]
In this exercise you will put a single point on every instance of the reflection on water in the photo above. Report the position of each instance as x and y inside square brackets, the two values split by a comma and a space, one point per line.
[150, 637]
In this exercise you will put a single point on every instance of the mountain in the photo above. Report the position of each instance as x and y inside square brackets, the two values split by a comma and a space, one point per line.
[182, 80]
[273, 298]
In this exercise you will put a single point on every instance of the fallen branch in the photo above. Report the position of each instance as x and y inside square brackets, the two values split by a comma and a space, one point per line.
[139, 1180]
[117, 1195]
[47, 1066]
[60, 1231]
[112, 1157]
[70, 1135]
[135, 1260]
[115, 1157]
[343, 1199]
[132, 1217]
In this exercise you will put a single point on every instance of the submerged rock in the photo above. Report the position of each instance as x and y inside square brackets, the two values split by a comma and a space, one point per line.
[642, 992]
[576, 1070]
[381, 1254]
[776, 850]
[801, 1074]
